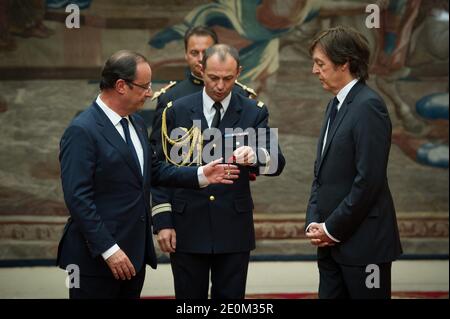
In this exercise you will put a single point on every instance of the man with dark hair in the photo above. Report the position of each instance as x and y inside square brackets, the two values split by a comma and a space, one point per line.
[196, 41]
[210, 231]
[350, 214]
[107, 167]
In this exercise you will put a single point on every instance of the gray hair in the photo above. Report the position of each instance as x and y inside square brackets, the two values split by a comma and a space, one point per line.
[222, 50]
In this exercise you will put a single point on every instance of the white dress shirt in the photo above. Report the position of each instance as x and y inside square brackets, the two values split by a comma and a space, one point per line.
[115, 120]
[342, 94]
[209, 111]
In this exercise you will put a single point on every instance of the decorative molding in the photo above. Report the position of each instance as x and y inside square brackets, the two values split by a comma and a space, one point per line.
[421, 228]
[27, 232]
[266, 227]
[37, 237]
[429, 227]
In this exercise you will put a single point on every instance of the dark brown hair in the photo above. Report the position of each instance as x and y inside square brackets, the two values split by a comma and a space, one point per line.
[344, 44]
[121, 65]
[199, 30]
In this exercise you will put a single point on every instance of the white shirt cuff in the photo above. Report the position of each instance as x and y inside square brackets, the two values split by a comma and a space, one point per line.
[267, 155]
[110, 251]
[307, 227]
[255, 160]
[328, 234]
[266, 160]
[202, 180]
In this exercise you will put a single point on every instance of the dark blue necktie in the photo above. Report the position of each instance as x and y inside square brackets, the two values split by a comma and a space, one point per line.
[333, 112]
[126, 131]
[216, 120]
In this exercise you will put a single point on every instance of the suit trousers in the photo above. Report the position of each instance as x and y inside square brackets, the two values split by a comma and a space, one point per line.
[339, 281]
[228, 275]
[97, 287]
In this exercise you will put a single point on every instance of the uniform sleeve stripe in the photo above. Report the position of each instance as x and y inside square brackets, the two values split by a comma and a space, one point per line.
[161, 208]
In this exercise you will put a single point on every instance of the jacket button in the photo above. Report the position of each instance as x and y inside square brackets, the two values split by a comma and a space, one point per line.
[214, 145]
[211, 198]
[143, 218]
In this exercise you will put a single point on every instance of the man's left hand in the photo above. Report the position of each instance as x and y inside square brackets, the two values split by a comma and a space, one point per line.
[244, 155]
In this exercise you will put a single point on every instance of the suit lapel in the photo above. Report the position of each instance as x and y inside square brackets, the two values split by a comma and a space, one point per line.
[109, 132]
[323, 129]
[338, 120]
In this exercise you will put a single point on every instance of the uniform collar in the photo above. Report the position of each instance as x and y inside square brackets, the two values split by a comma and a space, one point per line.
[195, 79]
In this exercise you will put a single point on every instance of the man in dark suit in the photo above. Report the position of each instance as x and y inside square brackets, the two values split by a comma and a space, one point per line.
[106, 172]
[211, 231]
[350, 214]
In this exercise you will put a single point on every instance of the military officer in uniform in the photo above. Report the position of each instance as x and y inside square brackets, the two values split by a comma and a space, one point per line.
[196, 41]
[209, 233]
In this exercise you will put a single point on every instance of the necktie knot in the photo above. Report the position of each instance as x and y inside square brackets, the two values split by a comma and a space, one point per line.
[217, 106]
[124, 122]
[216, 120]
[335, 101]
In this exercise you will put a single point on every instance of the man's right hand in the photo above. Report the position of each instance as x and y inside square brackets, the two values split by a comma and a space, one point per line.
[121, 266]
[218, 173]
[317, 235]
[167, 240]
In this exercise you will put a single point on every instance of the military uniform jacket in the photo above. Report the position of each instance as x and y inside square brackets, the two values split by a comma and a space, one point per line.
[217, 218]
[189, 85]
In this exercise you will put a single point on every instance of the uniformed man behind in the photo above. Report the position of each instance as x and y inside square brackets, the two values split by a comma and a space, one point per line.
[196, 41]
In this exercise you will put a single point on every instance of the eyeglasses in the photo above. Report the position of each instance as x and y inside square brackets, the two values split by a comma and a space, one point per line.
[145, 87]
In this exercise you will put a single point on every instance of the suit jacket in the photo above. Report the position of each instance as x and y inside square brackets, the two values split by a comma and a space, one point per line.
[107, 196]
[350, 191]
[218, 218]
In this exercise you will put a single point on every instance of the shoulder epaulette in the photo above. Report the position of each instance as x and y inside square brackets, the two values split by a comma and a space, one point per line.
[163, 90]
[247, 89]
[260, 104]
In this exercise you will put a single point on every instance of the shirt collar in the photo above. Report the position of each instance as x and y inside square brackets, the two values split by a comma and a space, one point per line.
[342, 94]
[113, 116]
[208, 102]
